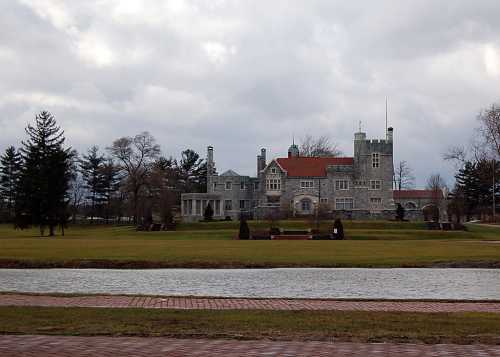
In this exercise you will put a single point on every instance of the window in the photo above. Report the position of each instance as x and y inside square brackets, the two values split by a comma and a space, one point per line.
[217, 207]
[305, 204]
[411, 205]
[344, 203]
[229, 185]
[228, 205]
[360, 183]
[190, 207]
[242, 204]
[375, 200]
[306, 184]
[375, 184]
[185, 207]
[215, 186]
[273, 170]
[256, 186]
[273, 184]
[243, 185]
[375, 160]
[198, 207]
[341, 185]
[323, 200]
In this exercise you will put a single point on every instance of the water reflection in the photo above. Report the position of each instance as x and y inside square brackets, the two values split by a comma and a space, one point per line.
[297, 283]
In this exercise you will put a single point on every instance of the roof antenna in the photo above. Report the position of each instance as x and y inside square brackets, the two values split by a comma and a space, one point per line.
[360, 126]
[293, 139]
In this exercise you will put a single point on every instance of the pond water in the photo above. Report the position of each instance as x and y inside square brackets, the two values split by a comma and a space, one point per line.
[473, 284]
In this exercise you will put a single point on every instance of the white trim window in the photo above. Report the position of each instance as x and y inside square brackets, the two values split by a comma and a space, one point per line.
[229, 185]
[375, 160]
[375, 184]
[228, 205]
[341, 185]
[307, 184]
[273, 170]
[344, 203]
[242, 204]
[243, 185]
[273, 184]
[375, 200]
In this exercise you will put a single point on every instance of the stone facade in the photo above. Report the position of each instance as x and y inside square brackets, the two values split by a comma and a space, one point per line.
[358, 187]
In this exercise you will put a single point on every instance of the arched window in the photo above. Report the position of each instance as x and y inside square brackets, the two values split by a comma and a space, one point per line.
[410, 205]
[305, 205]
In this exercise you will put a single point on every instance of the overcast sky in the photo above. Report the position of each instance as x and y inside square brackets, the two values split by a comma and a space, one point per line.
[241, 75]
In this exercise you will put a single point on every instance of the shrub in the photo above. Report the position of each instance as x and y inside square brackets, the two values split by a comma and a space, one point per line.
[400, 212]
[209, 213]
[244, 230]
[337, 225]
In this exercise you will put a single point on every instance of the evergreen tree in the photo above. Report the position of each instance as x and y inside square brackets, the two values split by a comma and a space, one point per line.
[209, 213]
[192, 172]
[45, 175]
[10, 165]
[91, 167]
[244, 229]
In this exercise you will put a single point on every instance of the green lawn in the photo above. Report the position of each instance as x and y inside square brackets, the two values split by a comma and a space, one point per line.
[369, 244]
[462, 328]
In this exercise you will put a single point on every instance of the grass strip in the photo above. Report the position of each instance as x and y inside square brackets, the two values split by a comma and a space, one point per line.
[462, 328]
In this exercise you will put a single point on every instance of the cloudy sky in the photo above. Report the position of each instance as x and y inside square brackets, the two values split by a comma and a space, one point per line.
[241, 75]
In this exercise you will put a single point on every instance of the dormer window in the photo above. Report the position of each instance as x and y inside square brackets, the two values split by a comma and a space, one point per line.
[273, 170]
[229, 185]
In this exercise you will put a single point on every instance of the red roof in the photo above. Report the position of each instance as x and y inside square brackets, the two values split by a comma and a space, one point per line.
[311, 166]
[405, 194]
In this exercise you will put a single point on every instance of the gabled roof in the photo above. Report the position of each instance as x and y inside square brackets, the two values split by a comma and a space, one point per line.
[230, 173]
[423, 194]
[311, 166]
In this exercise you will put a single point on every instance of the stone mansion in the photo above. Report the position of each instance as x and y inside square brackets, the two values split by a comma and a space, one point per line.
[358, 187]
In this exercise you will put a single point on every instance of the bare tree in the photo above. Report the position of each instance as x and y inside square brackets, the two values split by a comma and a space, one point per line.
[435, 182]
[458, 154]
[318, 147]
[136, 156]
[490, 129]
[403, 176]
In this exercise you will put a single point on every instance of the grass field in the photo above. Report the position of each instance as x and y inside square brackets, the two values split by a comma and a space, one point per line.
[462, 328]
[368, 244]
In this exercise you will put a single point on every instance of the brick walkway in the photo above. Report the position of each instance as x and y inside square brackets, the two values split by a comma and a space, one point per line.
[117, 301]
[71, 346]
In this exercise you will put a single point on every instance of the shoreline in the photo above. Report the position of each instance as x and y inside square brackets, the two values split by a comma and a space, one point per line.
[141, 264]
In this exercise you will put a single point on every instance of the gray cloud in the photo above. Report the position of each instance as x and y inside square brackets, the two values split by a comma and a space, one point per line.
[244, 75]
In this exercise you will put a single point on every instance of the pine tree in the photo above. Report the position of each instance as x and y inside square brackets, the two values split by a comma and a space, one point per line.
[10, 165]
[45, 175]
[91, 167]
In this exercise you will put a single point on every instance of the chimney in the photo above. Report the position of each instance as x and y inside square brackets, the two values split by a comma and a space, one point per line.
[210, 160]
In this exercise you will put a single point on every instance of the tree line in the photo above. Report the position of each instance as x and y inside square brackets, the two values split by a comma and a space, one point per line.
[476, 193]
[46, 183]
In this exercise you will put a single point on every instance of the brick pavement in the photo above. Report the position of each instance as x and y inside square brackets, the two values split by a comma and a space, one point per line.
[73, 346]
[169, 302]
